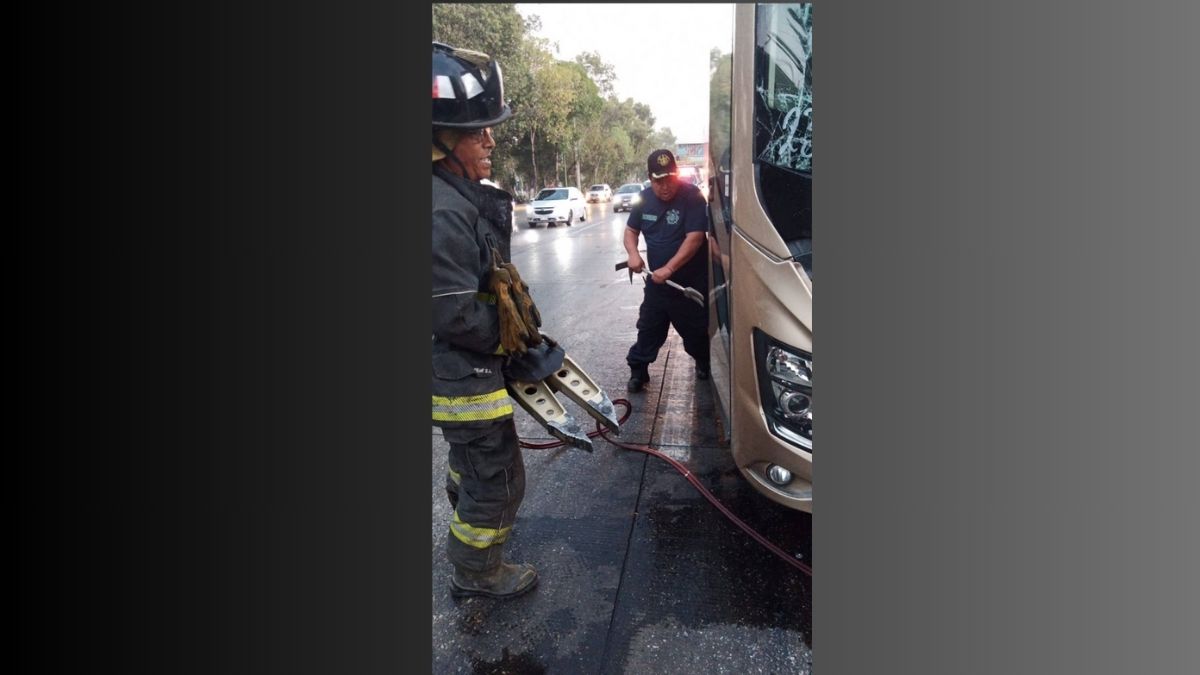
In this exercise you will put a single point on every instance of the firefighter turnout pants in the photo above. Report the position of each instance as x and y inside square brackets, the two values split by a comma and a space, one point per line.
[485, 486]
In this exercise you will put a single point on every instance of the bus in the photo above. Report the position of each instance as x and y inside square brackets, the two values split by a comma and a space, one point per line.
[760, 245]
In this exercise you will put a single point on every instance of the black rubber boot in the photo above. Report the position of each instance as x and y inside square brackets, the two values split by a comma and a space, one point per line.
[639, 376]
[505, 581]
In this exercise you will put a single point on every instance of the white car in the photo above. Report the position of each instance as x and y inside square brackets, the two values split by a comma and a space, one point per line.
[556, 205]
[600, 192]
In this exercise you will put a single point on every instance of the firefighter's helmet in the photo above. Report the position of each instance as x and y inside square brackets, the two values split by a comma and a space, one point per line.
[468, 89]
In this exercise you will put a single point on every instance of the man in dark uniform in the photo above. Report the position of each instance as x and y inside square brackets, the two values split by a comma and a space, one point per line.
[486, 481]
[673, 218]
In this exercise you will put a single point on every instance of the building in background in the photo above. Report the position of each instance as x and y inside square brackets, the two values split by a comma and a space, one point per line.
[692, 159]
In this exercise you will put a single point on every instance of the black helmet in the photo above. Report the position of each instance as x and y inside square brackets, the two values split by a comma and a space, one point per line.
[468, 91]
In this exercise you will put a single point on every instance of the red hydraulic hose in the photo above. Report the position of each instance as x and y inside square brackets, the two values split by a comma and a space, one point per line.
[679, 466]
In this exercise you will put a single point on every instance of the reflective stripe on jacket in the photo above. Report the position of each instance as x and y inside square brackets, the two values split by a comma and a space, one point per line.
[495, 405]
[468, 219]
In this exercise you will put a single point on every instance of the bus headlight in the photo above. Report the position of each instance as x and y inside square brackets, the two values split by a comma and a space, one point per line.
[785, 387]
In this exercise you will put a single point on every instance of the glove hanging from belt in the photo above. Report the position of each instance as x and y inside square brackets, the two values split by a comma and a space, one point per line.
[519, 317]
[536, 363]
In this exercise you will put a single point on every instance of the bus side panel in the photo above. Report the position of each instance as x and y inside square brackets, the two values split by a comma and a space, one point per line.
[773, 297]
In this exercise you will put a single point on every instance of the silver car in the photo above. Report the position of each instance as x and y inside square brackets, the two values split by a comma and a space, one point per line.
[627, 197]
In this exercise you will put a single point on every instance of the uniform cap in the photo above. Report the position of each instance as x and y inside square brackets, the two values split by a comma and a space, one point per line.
[661, 163]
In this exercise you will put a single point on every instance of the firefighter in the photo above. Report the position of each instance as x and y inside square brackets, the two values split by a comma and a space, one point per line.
[486, 481]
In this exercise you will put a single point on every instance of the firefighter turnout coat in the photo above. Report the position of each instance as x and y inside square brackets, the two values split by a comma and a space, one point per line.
[469, 219]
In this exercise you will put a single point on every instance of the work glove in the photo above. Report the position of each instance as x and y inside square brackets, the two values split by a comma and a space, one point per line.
[530, 315]
[519, 318]
[536, 363]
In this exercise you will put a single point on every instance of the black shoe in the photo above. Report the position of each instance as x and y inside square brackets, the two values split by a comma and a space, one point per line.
[505, 581]
[702, 373]
[637, 381]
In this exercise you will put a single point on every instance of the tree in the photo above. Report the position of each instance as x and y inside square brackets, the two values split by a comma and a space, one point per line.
[662, 138]
[608, 151]
[603, 74]
[561, 109]
[542, 118]
[720, 99]
[496, 30]
[585, 108]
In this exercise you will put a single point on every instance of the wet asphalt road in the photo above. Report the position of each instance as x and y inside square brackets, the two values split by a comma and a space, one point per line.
[638, 572]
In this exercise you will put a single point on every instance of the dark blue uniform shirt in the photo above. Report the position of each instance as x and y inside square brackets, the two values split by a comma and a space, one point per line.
[664, 225]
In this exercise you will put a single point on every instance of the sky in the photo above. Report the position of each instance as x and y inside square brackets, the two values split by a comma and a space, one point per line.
[660, 53]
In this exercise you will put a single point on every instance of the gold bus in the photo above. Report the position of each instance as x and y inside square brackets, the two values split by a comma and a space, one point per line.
[760, 242]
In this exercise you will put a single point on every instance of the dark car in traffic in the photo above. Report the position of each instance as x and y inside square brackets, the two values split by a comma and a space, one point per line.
[627, 196]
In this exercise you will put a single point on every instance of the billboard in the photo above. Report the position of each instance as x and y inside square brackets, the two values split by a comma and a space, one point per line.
[691, 154]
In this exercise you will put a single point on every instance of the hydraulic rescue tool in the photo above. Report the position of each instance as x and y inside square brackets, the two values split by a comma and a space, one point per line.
[691, 293]
[538, 400]
[537, 366]
[534, 377]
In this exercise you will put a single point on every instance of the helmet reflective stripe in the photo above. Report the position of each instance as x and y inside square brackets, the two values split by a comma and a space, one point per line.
[442, 87]
[473, 87]
[478, 537]
[493, 406]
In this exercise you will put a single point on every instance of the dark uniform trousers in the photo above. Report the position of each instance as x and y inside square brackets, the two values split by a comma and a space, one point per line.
[486, 485]
[663, 306]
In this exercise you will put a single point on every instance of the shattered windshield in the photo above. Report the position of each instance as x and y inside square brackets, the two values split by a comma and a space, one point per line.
[784, 86]
[783, 114]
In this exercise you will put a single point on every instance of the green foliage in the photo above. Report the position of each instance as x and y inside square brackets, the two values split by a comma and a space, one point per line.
[603, 74]
[493, 29]
[720, 89]
[561, 109]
